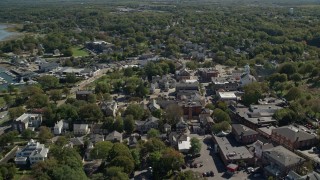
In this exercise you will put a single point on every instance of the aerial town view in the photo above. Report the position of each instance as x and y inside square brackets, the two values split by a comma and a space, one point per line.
[159, 89]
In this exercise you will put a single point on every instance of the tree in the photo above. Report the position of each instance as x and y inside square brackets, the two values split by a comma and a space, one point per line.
[118, 124]
[173, 113]
[253, 92]
[123, 161]
[61, 141]
[277, 77]
[28, 134]
[296, 77]
[135, 110]
[220, 116]
[102, 87]
[8, 99]
[38, 101]
[11, 88]
[142, 90]
[152, 145]
[92, 98]
[288, 68]
[31, 90]
[101, 150]
[116, 173]
[222, 126]
[187, 175]
[195, 146]
[153, 133]
[294, 93]
[16, 112]
[90, 113]
[136, 157]
[48, 82]
[55, 95]
[285, 116]
[71, 78]
[171, 160]
[44, 134]
[119, 149]
[128, 124]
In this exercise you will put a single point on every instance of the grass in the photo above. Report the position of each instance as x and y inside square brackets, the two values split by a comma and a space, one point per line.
[23, 174]
[79, 52]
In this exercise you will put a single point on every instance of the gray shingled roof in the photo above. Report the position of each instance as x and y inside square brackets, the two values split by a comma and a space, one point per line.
[293, 133]
[283, 156]
[239, 129]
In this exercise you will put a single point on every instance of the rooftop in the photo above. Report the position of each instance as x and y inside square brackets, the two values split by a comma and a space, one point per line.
[292, 133]
[283, 156]
[244, 130]
[227, 95]
[230, 151]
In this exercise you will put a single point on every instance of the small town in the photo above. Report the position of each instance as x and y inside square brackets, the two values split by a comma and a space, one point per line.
[116, 102]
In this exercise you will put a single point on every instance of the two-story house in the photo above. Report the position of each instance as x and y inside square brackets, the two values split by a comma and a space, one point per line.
[32, 153]
[149, 123]
[27, 120]
[109, 108]
[243, 134]
[83, 95]
[278, 161]
[80, 129]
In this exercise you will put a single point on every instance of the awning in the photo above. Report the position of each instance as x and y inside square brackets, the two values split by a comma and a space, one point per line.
[232, 167]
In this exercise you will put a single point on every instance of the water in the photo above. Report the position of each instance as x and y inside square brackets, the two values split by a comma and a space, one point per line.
[4, 33]
[6, 77]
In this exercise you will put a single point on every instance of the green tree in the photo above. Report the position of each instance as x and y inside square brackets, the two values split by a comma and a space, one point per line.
[48, 82]
[118, 124]
[123, 161]
[101, 150]
[102, 87]
[135, 110]
[90, 113]
[116, 173]
[294, 93]
[38, 101]
[173, 113]
[288, 68]
[44, 134]
[220, 116]
[296, 77]
[195, 145]
[15, 112]
[119, 149]
[153, 133]
[71, 78]
[8, 99]
[61, 141]
[55, 95]
[28, 134]
[222, 126]
[253, 92]
[128, 124]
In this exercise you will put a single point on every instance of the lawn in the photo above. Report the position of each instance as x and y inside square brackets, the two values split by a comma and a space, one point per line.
[78, 51]
[23, 174]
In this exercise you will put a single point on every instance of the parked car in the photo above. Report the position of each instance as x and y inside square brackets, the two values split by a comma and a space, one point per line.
[250, 169]
[211, 173]
[204, 174]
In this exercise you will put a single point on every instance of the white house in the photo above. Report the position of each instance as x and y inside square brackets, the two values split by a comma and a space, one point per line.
[58, 127]
[184, 145]
[27, 120]
[247, 79]
[80, 129]
[32, 152]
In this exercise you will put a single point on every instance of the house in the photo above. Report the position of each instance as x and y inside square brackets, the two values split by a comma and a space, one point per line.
[207, 73]
[247, 79]
[80, 129]
[32, 153]
[183, 74]
[167, 127]
[47, 67]
[295, 176]
[256, 116]
[228, 97]
[184, 145]
[95, 138]
[230, 153]
[191, 108]
[27, 120]
[187, 86]
[153, 106]
[259, 147]
[293, 138]
[278, 161]
[149, 123]
[98, 129]
[114, 136]
[243, 134]
[83, 95]
[109, 108]
[224, 83]
[76, 142]
[181, 126]
[57, 129]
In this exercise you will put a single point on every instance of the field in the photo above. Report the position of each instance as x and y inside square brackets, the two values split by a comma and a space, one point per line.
[79, 52]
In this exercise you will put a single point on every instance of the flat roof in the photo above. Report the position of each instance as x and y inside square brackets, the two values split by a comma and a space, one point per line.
[184, 145]
[227, 95]
[232, 152]
[267, 130]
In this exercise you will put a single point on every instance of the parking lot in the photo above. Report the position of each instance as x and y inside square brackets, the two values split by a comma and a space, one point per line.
[212, 162]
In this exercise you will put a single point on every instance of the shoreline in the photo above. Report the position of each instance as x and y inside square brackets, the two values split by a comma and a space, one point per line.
[13, 30]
